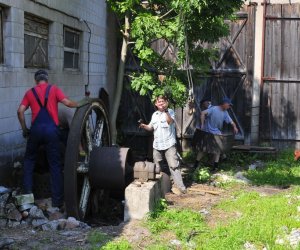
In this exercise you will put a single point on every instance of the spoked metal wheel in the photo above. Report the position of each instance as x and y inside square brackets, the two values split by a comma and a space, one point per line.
[89, 130]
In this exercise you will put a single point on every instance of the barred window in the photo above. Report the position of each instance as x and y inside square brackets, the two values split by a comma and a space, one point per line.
[71, 48]
[36, 32]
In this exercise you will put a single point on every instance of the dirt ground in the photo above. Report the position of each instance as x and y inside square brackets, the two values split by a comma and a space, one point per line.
[199, 198]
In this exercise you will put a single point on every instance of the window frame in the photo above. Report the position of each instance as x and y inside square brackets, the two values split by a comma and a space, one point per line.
[37, 20]
[72, 50]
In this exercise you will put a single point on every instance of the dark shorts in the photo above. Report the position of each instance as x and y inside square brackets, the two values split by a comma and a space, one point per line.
[212, 144]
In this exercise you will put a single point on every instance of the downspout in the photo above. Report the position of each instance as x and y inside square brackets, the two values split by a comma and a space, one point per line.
[86, 87]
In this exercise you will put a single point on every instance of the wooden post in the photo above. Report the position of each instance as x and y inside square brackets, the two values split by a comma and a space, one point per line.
[119, 88]
[257, 74]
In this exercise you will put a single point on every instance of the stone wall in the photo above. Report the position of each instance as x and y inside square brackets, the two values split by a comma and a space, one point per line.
[15, 79]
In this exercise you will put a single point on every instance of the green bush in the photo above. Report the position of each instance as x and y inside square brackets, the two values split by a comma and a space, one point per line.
[201, 175]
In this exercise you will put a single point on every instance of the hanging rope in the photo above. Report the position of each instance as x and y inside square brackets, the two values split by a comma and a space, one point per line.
[191, 97]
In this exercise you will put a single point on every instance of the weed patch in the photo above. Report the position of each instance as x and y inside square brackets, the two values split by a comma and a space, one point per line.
[121, 244]
[201, 175]
[261, 220]
[282, 171]
[181, 222]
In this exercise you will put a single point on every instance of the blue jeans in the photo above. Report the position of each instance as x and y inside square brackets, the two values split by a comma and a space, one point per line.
[47, 134]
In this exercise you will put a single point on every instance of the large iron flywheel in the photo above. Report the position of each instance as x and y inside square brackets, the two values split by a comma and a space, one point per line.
[89, 129]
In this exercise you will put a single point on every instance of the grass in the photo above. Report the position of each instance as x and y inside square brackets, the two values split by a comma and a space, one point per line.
[243, 216]
[282, 171]
[248, 216]
[120, 244]
[260, 221]
[101, 241]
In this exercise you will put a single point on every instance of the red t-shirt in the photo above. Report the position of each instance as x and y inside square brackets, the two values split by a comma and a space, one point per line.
[55, 96]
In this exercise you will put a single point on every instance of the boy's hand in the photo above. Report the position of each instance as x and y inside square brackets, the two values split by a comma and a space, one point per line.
[165, 106]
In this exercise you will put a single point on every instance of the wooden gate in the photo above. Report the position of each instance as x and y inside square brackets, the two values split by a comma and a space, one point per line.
[280, 113]
[230, 76]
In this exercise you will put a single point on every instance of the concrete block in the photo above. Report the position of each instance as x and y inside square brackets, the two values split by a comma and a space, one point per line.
[55, 51]
[9, 94]
[140, 199]
[13, 44]
[24, 199]
[12, 29]
[56, 28]
[9, 124]
[8, 109]
[15, 15]
[15, 60]
[56, 40]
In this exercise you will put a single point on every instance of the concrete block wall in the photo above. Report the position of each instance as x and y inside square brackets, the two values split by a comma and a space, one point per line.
[15, 79]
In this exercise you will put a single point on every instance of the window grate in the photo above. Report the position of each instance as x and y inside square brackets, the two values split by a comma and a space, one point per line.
[36, 32]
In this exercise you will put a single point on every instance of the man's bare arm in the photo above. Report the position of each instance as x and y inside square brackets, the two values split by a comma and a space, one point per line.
[69, 103]
[21, 117]
[235, 129]
[202, 119]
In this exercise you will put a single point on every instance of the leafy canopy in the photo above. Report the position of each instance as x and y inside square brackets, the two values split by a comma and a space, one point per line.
[175, 22]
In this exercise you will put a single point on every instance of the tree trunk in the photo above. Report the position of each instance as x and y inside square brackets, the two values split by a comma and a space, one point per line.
[119, 87]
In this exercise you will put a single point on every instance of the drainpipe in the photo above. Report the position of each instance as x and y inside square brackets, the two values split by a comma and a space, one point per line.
[87, 92]
[258, 70]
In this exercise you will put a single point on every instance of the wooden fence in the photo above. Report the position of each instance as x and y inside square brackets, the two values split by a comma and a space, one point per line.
[232, 75]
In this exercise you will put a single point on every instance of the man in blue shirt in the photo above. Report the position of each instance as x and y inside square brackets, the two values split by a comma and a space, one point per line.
[212, 121]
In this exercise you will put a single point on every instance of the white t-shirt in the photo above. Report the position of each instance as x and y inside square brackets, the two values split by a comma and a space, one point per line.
[164, 133]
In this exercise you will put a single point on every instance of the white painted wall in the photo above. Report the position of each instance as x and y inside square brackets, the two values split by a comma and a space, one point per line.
[15, 79]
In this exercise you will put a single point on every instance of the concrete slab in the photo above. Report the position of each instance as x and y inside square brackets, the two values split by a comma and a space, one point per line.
[141, 198]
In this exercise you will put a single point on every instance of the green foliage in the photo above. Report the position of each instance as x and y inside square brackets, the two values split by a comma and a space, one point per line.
[243, 216]
[176, 22]
[260, 220]
[102, 241]
[280, 171]
[147, 83]
[189, 156]
[97, 239]
[250, 217]
[182, 222]
[201, 175]
[159, 208]
[121, 244]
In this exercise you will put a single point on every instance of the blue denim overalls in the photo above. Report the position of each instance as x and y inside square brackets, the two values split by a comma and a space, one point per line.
[44, 131]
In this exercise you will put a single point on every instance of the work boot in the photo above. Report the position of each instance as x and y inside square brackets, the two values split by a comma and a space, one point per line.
[215, 166]
[178, 191]
[196, 164]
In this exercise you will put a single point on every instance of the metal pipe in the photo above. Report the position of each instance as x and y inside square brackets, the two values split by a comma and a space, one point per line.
[87, 92]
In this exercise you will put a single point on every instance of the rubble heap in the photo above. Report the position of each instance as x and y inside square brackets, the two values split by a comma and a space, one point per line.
[23, 211]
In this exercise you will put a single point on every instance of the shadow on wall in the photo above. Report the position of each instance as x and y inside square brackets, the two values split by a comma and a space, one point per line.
[279, 115]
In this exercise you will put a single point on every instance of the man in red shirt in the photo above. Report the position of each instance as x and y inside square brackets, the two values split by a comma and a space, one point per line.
[43, 101]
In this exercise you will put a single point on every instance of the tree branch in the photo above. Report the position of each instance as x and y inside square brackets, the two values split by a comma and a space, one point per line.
[167, 13]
